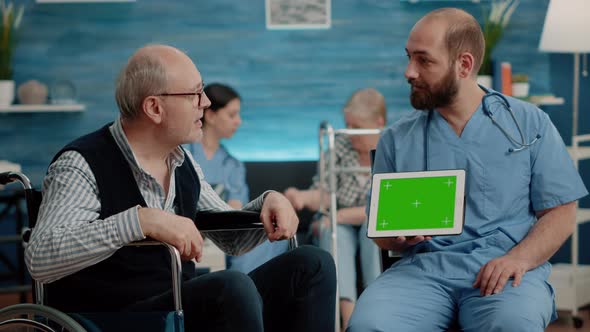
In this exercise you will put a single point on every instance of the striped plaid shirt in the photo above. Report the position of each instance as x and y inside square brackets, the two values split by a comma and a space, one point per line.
[69, 237]
[352, 188]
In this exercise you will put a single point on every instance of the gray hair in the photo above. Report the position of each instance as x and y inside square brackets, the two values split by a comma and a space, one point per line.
[367, 103]
[143, 76]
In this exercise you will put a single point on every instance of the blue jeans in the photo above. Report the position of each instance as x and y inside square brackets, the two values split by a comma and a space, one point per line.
[257, 256]
[293, 292]
[350, 239]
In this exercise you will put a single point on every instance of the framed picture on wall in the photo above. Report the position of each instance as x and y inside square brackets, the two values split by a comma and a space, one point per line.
[298, 14]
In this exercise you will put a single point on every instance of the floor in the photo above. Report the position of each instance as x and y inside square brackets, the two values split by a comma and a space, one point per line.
[563, 324]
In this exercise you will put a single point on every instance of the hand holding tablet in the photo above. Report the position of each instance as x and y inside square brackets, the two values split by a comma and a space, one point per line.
[417, 203]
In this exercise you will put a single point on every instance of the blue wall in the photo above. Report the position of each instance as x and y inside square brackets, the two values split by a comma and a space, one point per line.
[285, 77]
[289, 80]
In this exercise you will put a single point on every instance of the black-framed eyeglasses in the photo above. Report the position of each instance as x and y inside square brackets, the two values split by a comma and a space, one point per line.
[198, 94]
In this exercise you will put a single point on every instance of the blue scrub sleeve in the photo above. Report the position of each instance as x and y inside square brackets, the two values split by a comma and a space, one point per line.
[384, 159]
[385, 154]
[554, 180]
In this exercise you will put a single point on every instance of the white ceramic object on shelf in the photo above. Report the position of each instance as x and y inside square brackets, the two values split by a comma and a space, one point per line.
[485, 81]
[6, 92]
[520, 89]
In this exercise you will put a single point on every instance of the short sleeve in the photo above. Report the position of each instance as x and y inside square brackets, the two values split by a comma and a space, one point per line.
[554, 178]
[384, 161]
[237, 187]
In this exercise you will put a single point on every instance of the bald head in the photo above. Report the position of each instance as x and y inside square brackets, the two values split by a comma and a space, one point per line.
[461, 33]
[156, 50]
[166, 55]
[147, 73]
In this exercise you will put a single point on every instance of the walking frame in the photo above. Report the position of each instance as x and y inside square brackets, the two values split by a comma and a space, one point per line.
[326, 131]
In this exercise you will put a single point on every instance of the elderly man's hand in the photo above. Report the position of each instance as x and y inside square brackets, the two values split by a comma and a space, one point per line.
[177, 231]
[278, 217]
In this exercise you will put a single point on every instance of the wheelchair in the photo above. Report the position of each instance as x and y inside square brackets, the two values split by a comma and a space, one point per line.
[41, 317]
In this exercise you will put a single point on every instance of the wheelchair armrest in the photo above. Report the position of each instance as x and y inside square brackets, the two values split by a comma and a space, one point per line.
[207, 221]
[32, 196]
[8, 177]
[176, 267]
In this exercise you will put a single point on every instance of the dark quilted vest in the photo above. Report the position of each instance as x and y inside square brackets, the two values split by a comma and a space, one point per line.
[131, 273]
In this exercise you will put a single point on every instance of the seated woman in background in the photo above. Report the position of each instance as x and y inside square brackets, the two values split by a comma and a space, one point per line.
[226, 174]
[365, 109]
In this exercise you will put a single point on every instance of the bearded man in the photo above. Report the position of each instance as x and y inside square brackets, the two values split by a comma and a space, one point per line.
[493, 276]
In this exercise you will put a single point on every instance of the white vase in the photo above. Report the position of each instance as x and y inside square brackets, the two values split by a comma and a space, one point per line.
[6, 92]
[520, 89]
[485, 81]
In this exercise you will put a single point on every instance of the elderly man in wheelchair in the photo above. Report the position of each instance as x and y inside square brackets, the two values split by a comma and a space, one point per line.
[131, 180]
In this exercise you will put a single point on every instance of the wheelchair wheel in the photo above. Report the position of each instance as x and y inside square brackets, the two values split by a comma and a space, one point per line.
[36, 317]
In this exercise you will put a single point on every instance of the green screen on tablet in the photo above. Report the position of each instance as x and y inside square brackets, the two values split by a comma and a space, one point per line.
[417, 203]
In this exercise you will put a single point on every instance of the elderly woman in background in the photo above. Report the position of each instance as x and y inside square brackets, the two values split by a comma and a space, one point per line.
[365, 109]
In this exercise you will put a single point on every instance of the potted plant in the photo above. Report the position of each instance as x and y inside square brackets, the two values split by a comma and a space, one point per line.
[520, 85]
[11, 19]
[495, 21]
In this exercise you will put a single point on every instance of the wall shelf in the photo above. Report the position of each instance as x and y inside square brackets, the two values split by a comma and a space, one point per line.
[82, 1]
[426, 1]
[546, 100]
[42, 108]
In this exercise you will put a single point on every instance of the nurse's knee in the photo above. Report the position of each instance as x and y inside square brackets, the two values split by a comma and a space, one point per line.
[370, 316]
[362, 320]
[510, 319]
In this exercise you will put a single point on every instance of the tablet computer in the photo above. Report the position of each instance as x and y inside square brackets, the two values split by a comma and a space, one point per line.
[417, 203]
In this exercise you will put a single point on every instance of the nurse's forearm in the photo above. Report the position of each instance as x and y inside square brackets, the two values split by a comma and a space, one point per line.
[547, 235]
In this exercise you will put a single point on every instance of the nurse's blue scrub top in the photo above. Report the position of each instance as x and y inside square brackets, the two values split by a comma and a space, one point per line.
[226, 174]
[503, 189]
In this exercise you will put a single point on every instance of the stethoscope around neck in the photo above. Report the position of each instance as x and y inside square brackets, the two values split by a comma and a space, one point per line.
[520, 145]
